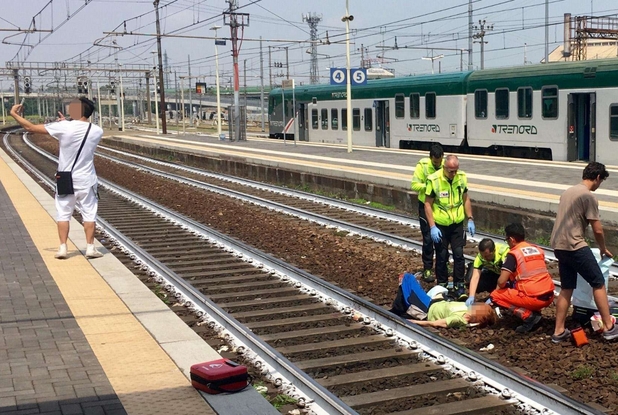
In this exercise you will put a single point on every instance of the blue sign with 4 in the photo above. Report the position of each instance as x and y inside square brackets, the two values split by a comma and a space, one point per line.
[338, 76]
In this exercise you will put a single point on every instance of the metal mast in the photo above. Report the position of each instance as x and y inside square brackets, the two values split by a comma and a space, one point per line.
[235, 21]
[312, 20]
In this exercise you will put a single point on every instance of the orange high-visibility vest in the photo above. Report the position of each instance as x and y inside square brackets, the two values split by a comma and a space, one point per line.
[531, 275]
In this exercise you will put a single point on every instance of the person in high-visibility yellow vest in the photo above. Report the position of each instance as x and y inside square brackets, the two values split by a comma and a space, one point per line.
[447, 206]
[425, 167]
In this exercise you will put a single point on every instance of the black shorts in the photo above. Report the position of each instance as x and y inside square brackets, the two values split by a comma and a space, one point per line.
[582, 262]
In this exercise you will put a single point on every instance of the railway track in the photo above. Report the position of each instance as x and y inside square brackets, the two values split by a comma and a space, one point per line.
[342, 211]
[374, 362]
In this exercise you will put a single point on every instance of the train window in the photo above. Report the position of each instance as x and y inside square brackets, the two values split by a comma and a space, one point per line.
[314, 119]
[324, 119]
[502, 103]
[287, 107]
[368, 119]
[480, 103]
[524, 102]
[415, 106]
[613, 122]
[550, 102]
[430, 105]
[356, 119]
[344, 119]
[400, 106]
[334, 118]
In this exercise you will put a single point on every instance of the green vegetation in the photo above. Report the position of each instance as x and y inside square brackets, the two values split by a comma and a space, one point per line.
[160, 292]
[282, 400]
[375, 205]
[278, 400]
[541, 240]
[582, 372]
[614, 376]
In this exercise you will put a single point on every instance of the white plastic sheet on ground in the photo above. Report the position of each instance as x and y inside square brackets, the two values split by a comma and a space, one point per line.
[582, 295]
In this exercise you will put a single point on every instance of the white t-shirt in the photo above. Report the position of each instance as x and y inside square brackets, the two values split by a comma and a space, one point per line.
[70, 135]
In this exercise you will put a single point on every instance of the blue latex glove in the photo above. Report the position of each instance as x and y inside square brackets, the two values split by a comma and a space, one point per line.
[436, 234]
[471, 227]
[470, 301]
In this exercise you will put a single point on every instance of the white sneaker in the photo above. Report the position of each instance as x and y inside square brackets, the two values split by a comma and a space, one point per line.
[91, 252]
[62, 252]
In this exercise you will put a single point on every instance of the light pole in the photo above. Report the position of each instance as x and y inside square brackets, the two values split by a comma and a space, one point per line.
[432, 59]
[156, 102]
[221, 135]
[347, 18]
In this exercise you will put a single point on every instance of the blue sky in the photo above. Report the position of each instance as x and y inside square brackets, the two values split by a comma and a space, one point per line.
[426, 28]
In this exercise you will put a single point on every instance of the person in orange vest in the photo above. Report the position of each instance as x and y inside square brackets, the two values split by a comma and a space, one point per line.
[525, 286]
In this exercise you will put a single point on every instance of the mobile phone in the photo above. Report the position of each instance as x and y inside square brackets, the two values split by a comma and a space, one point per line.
[22, 101]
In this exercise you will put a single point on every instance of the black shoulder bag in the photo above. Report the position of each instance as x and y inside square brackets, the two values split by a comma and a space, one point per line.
[64, 180]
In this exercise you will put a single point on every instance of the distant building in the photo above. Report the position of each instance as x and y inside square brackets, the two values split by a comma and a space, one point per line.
[597, 49]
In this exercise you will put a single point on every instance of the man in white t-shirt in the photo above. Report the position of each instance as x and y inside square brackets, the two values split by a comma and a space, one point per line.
[70, 135]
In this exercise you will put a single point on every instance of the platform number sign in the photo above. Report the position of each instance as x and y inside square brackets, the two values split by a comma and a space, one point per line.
[359, 76]
[338, 76]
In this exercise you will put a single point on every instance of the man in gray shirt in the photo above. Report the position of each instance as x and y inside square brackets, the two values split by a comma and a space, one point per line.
[578, 207]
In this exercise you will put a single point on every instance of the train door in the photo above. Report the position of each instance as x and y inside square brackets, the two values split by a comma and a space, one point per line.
[302, 132]
[383, 128]
[581, 134]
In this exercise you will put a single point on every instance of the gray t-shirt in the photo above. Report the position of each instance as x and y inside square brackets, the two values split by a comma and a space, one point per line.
[577, 206]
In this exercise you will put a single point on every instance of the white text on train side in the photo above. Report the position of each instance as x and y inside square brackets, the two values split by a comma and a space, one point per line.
[514, 129]
[424, 128]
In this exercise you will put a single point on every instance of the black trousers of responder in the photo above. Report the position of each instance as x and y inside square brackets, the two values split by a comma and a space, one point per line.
[453, 236]
[488, 280]
[427, 242]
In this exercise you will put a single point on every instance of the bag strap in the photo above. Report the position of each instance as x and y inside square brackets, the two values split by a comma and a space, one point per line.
[216, 384]
[82, 146]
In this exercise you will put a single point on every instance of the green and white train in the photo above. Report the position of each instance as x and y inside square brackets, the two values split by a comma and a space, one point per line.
[563, 111]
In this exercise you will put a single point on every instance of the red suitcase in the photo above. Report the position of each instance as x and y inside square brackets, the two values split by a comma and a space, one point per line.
[219, 376]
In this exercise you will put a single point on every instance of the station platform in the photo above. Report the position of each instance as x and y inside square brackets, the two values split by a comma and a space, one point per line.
[82, 336]
[532, 185]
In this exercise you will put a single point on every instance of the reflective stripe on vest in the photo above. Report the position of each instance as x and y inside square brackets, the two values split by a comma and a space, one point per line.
[448, 203]
[531, 274]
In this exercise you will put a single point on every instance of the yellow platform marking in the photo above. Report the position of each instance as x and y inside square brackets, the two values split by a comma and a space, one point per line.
[143, 376]
[380, 173]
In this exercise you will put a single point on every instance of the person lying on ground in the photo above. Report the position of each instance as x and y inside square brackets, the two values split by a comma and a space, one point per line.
[431, 309]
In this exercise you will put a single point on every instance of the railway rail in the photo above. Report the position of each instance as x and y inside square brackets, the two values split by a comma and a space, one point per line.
[351, 348]
[380, 225]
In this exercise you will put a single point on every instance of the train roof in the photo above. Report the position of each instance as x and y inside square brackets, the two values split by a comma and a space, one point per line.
[566, 75]
[442, 84]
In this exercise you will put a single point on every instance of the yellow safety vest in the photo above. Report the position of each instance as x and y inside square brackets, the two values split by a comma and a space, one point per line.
[423, 169]
[448, 206]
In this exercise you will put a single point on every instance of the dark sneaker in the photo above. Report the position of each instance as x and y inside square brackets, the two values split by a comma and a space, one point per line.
[566, 334]
[428, 276]
[460, 293]
[529, 323]
[611, 334]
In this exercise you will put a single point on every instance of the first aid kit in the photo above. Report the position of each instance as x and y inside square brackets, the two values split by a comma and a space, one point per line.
[218, 376]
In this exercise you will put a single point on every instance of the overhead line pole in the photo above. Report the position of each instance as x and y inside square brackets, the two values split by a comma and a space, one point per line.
[546, 31]
[262, 86]
[470, 37]
[163, 108]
